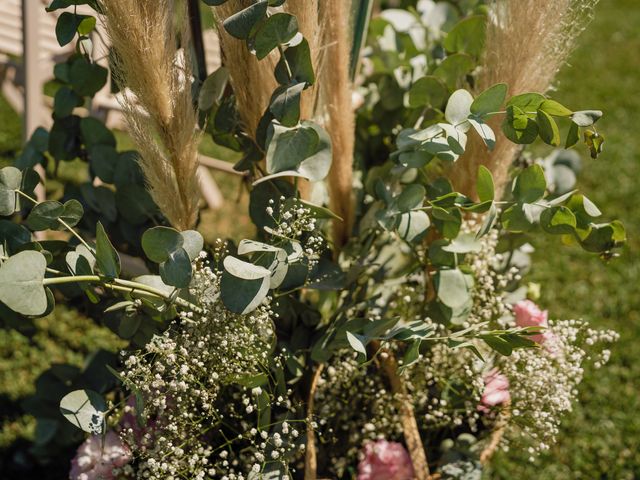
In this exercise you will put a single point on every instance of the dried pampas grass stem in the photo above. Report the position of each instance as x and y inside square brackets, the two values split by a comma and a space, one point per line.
[336, 94]
[160, 113]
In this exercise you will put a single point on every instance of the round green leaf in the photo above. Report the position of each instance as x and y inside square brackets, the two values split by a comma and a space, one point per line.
[453, 287]
[586, 118]
[193, 243]
[85, 409]
[277, 30]
[530, 185]
[558, 220]
[490, 100]
[242, 295]
[240, 24]
[413, 225]
[21, 283]
[427, 90]
[177, 270]
[458, 107]
[10, 181]
[411, 197]
[159, 242]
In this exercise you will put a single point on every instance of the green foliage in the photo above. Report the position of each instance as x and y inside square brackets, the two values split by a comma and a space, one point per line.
[22, 283]
[85, 409]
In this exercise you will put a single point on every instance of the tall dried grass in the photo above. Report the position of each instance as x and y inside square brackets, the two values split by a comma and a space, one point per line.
[160, 113]
[528, 41]
[336, 91]
[253, 80]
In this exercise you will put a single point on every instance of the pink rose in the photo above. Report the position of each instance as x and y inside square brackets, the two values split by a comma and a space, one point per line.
[97, 457]
[496, 390]
[529, 315]
[385, 461]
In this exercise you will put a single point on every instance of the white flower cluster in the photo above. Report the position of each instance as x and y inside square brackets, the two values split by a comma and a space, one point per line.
[353, 405]
[544, 381]
[200, 420]
[296, 222]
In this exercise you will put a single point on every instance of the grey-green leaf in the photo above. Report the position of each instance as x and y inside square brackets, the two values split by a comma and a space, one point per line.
[10, 180]
[240, 24]
[586, 118]
[177, 269]
[277, 30]
[490, 100]
[159, 242]
[484, 184]
[85, 409]
[453, 287]
[107, 257]
[21, 283]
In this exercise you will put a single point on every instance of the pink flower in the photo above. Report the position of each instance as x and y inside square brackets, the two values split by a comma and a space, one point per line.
[496, 390]
[529, 315]
[97, 457]
[385, 461]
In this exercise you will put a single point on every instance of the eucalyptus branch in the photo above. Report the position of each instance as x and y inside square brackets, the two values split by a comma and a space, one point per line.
[126, 286]
[62, 222]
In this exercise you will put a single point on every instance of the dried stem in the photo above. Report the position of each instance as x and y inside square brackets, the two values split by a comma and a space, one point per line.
[336, 94]
[496, 435]
[410, 429]
[252, 79]
[311, 459]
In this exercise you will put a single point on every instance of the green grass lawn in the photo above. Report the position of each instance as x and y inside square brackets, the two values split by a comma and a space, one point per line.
[601, 438]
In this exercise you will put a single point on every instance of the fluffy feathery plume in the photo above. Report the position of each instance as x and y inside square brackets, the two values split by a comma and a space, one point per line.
[527, 42]
[253, 79]
[335, 83]
[160, 113]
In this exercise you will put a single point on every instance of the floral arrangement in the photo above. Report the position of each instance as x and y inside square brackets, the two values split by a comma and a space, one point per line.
[379, 325]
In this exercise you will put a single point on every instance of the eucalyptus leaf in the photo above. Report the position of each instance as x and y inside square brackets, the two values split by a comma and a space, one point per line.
[213, 88]
[411, 197]
[586, 118]
[357, 342]
[10, 182]
[490, 100]
[428, 90]
[22, 283]
[484, 184]
[285, 104]
[548, 128]
[243, 295]
[458, 108]
[554, 108]
[159, 243]
[107, 257]
[413, 225]
[485, 131]
[193, 243]
[177, 270]
[530, 185]
[86, 410]
[240, 24]
[277, 30]
[453, 287]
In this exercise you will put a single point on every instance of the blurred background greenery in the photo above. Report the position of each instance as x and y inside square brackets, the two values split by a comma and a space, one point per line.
[601, 438]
